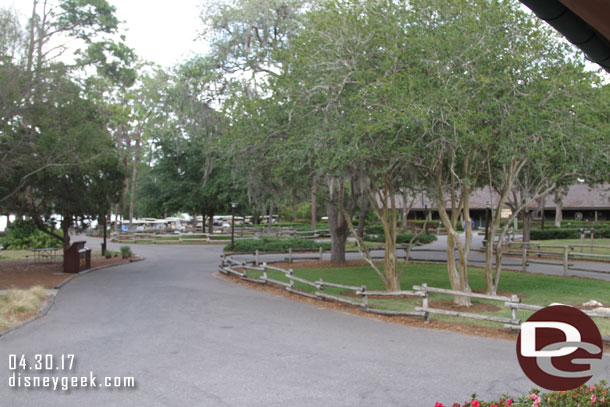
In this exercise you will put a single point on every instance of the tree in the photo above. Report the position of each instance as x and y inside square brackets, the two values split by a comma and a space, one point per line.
[548, 151]
[351, 93]
[77, 191]
[245, 37]
[31, 65]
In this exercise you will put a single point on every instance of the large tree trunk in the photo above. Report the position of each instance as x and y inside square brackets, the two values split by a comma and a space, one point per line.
[338, 233]
[390, 260]
[125, 139]
[314, 204]
[491, 281]
[194, 222]
[527, 224]
[364, 211]
[211, 223]
[134, 175]
[558, 212]
[65, 227]
[458, 272]
[270, 220]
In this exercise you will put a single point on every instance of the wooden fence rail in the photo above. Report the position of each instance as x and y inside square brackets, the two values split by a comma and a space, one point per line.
[529, 253]
[240, 268]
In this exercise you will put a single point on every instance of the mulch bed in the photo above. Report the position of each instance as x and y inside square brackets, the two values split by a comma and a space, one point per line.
[25, 274]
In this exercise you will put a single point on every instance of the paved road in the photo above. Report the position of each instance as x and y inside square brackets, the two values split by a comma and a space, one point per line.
[191, 338]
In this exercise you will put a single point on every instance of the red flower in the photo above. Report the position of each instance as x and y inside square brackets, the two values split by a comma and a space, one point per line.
[509, 403]
[437, 404]
[475, 403]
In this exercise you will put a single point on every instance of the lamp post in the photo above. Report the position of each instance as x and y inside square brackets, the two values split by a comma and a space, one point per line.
[233, 206]
[487, 213]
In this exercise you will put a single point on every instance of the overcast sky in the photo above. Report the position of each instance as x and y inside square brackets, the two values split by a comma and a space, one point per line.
[160, 31]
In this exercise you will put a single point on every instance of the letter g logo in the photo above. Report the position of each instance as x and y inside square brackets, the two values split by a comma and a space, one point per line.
[559, 348]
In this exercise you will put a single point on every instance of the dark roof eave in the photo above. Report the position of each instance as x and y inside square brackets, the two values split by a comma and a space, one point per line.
[595, 46]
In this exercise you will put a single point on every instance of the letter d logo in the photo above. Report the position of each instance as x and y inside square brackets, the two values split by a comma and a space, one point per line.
[559, 348]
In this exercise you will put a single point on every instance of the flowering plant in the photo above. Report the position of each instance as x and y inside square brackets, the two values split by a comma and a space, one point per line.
[583, 396]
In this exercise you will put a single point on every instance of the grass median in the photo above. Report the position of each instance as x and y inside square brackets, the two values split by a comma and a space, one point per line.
[534, 289]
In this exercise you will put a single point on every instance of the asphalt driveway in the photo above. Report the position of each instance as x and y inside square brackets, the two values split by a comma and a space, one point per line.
[190, 338]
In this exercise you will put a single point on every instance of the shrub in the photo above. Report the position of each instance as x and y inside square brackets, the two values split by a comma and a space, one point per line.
[276, 245]
[108, 254]
[402, 238]
[25, 235]
[566, 233]
[375, 229]
[126, 252]
[583, 396]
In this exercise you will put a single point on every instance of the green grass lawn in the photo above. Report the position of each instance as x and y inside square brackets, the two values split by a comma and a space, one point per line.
[533, 289]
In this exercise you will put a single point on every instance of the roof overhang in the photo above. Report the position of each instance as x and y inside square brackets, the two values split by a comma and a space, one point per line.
[585, 23]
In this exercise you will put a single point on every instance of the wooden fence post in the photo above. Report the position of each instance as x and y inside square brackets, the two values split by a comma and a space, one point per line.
[222, 260]
[524, 257]
[290, 255]
[566, 253]
[365, 298]
[424, 303]
[256, 257]
[514, 311]
[265, 272]
[290, 272]
[321, 253]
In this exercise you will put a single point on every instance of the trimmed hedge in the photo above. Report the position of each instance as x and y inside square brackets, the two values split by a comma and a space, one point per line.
[276, 245]
[302, 226]
[566, 233]
[402, 238]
